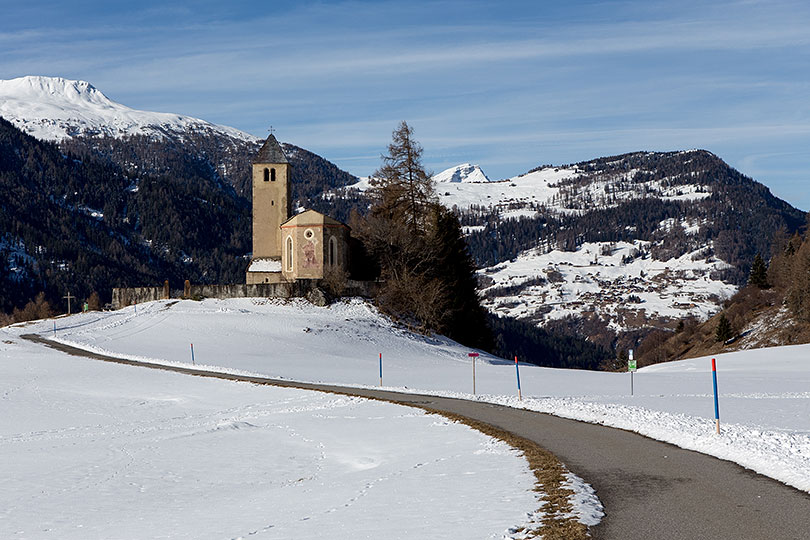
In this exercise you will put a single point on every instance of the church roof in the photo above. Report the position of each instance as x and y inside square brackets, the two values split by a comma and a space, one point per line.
[270, 152]
[312, 218]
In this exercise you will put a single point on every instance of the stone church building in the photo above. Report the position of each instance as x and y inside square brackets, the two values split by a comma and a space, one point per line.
[287, 248]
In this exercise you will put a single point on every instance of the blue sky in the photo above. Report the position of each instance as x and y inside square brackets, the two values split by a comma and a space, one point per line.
[507, 85]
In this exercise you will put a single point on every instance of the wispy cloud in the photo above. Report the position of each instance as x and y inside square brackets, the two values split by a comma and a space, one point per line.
[506, 86]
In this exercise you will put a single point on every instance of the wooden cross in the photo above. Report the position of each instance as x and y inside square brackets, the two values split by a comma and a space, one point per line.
[69, 297]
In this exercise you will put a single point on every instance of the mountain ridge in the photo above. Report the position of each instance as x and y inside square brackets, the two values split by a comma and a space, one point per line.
[55, 108]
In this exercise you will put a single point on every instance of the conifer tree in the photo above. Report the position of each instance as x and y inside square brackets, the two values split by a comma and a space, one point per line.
[724, 331]
[428, 272]
[402, 188]
[759, 273]
[464, 319]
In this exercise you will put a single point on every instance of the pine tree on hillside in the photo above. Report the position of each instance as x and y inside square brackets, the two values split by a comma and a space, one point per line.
[759, 273]
[464, 319]
[724, 331]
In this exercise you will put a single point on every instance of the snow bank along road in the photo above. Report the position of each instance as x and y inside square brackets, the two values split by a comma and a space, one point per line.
[650, 490]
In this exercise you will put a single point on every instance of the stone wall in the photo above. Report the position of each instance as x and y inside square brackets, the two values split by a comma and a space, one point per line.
[122, 297]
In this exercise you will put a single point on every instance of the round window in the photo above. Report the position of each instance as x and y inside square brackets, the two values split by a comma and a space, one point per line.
[308, 234]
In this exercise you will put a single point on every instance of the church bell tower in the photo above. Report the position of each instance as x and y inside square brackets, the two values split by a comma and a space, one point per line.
[271, 199]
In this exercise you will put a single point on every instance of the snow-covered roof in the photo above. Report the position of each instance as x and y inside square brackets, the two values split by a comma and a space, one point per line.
[264, 265]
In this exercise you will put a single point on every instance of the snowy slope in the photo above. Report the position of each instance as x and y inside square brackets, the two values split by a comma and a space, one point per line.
[552, 189]
[765, 402]
[94, 450]
[53, 108]
[547, 283]
[608, 281]
[527, 191]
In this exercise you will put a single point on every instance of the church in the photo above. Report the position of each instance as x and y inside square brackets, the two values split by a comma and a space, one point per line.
[288, 248]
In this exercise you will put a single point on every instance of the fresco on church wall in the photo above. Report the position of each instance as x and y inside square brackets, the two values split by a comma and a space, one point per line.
[310, 261]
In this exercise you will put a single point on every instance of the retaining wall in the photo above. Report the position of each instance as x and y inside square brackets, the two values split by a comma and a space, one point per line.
[122, 297]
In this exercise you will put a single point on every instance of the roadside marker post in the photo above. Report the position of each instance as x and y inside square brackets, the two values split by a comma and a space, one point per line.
[517, 372]
[380, 369]
[473, 355]
[631, 367]
[192, 353]
[716, 404]
[54, 327]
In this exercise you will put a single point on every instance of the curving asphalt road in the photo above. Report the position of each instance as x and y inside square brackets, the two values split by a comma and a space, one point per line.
[651, 490]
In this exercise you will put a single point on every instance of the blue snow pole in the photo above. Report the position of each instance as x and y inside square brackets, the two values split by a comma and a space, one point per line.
[54, 327]
[380, 369]
[716, 405]
[192, 353]
[517, 372]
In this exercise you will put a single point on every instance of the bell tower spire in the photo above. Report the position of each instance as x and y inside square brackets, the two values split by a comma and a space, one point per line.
[271, 198]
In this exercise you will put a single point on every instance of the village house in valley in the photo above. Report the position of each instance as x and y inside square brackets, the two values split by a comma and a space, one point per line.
[288, 248]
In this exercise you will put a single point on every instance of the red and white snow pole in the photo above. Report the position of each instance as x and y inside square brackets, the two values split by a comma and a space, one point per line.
[716, 405]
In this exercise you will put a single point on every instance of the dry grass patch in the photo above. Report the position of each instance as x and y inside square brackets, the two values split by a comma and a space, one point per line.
[556, 521]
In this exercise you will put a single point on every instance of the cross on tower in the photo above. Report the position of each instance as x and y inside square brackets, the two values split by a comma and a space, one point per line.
[69, 297]
[271, 130]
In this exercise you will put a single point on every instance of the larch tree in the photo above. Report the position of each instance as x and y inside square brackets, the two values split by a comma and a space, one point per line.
[428, 272]
[402, 189]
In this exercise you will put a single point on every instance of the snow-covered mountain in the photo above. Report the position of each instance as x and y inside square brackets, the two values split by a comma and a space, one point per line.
[464, 173]
[53, 108]
[617, 245]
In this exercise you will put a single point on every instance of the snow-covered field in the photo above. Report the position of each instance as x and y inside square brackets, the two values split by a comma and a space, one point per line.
[92, 450]
[764, 394]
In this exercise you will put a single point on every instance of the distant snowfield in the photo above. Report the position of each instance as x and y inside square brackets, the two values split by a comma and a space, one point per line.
[595, 278]
[765, 394]
[97, 450]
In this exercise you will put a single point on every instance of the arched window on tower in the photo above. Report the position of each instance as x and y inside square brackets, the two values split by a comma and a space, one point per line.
[272, 175]
[289, 254]
[332, 251]
[266, 174]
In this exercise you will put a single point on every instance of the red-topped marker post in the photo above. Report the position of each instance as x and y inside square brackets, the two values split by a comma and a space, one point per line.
[517, 373]
[473, 356]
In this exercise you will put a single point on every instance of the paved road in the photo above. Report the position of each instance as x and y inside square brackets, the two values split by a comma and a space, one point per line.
[651, 490]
